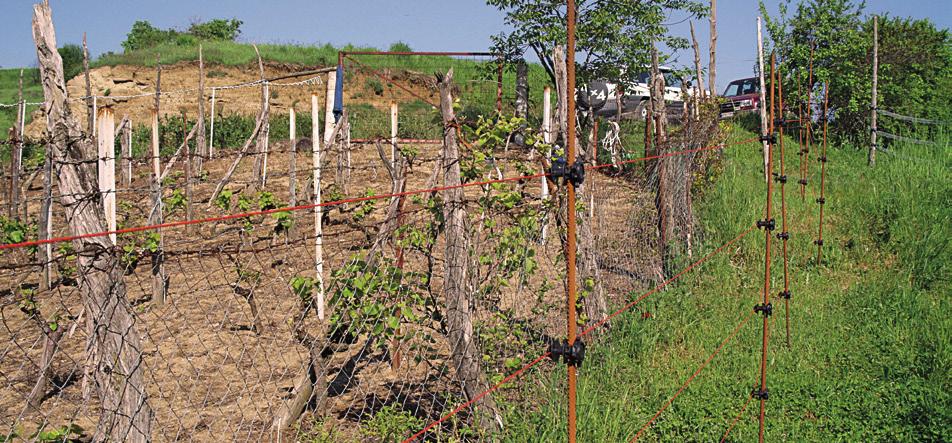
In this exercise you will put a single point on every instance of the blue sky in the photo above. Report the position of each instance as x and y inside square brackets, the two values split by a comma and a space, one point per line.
[436, 25]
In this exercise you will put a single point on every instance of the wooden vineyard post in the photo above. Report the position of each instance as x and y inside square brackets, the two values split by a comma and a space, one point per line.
[763, 102]
[292, 166]
[329, 108]
[318, 210]
[872, 116]
[262, 128]
[16, 157]
[114, 349]
[107, 167]
[188, 172]
[211, 129]
[547, 139]
[697, 68]
[459, 316]
[394, 114]
[46, 217]
[159, 286]
[90, 108]
[201, 149]
[125, 149]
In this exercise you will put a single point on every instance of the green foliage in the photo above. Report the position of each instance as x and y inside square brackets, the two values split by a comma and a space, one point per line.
[400, 47]
[72, 56]
[376, 300]
[915, 63]
[175, 202]
[374, 85]
[144, 36]
[216, 29]
[303, 288]
[267, 200]
[223, 201]
[391, 423]
[64, 434]
[617, 36]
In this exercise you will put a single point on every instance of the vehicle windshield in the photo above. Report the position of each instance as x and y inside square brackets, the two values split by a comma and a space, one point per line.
[742, 87]
[670, 79]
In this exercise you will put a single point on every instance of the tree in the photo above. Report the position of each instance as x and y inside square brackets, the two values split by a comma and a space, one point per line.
[217, 29]
[72, 55]
[915, 61]
[613, 38]
[144, 35]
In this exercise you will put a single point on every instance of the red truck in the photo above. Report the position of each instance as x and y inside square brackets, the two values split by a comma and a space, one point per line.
[741, 95]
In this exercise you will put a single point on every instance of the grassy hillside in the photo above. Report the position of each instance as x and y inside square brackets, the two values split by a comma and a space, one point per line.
[32, 92]
[870, 356]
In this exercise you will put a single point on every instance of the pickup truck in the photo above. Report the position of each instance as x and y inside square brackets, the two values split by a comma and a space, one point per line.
[601, 95]
[741, 96]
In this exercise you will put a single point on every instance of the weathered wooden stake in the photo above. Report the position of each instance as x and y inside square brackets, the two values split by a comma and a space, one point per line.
[159, 285]
[107, 167]
[318, 210]
[763, 102]
[697, 64]
[394, 112]
[329, 108]
[46, 216]
[125, 149]
[292, 166]
[90, 110]
[211, 129]
[188, 172]
[201, 149]
[114, 348]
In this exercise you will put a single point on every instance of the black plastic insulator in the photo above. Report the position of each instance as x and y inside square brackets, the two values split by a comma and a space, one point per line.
[770, 225]
[574, 173]
[818, 242]
[758, 394]
[803, 181]
[783, 235]
[780, 178]
[780, 123]
[821, 201]
[770, 138]
[785, 294]
[572, 355]
[766, 309]
[821, 159]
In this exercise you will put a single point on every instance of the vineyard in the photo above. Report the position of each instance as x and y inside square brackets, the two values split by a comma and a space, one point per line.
[444, 246]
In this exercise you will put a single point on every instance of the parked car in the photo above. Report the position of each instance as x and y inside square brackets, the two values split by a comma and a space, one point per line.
[601, 95]
[741, 96]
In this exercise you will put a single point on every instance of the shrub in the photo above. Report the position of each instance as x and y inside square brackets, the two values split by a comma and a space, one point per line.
[217, 29]
[72, 60]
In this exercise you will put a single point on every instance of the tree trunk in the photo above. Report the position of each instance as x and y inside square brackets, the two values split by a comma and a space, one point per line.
[465, 353]
[697, 64]
[115, 347]
[261, 145]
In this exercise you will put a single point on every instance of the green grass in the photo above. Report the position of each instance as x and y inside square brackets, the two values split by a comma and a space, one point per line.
[870, 358]
[9, 83]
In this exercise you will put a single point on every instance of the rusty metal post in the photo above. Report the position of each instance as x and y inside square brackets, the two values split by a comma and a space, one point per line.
[572, 323]
[767, 224]
[822, 159]
[781, 177]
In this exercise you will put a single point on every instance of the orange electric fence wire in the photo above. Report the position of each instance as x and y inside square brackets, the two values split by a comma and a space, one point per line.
[692, 377]
[737, 417]
[591, 328]
[339, 202]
